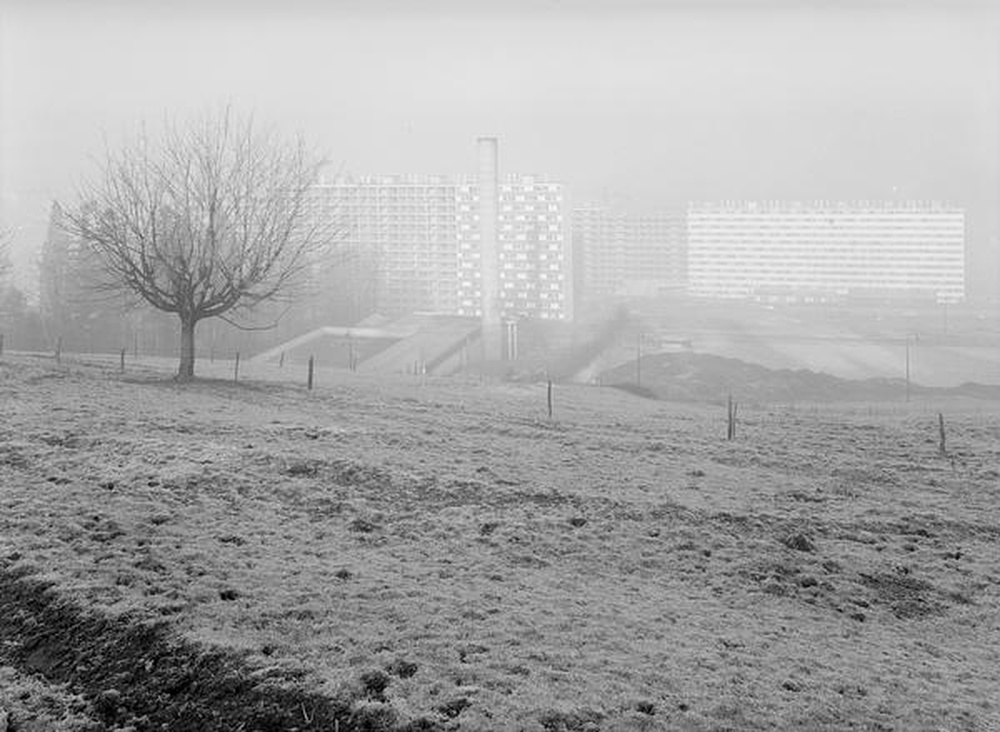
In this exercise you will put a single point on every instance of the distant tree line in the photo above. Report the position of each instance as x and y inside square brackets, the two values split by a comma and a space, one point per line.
[18, 322]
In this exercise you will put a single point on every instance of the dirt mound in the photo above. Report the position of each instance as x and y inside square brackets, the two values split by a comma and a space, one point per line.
[694, 377]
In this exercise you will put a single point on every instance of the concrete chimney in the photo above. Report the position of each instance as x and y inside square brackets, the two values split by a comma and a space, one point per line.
[489, 262]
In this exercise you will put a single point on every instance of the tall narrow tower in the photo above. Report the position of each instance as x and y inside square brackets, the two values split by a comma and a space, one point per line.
[489, 262]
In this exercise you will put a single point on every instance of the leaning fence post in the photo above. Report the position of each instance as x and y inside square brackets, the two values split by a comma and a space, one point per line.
[309, 380]
[236, 368]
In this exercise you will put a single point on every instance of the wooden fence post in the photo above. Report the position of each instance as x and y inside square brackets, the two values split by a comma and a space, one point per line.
[121, 364]
[549, 398]
[1, 344]
[236, 368]
[941, 445]
[58, 349]
[281, 360]
[731, 419]
[309, 381]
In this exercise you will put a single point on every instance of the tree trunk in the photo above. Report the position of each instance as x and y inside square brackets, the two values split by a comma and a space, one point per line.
[186, 371]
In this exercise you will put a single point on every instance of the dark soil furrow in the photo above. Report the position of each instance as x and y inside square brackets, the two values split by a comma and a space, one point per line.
[137, 673]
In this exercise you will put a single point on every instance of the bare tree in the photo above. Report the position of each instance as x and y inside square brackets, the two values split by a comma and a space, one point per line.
[210, 220]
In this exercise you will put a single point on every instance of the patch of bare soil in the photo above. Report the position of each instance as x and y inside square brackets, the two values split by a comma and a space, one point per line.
[423, 554]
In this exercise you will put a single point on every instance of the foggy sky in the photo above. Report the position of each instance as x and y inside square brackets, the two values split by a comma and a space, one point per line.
[645, 105]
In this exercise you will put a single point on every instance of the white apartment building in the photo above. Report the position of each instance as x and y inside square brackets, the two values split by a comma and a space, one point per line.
[628, 255]
[422, 233]
[825, 250]
[533, 247]
[405, 226]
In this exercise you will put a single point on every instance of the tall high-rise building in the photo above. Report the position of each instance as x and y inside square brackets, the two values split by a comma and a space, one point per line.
[626, 255]
[533, 249]
[423, 235]
[824, 250]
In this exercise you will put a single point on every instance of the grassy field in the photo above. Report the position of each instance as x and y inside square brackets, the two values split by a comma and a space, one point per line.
[439, 554]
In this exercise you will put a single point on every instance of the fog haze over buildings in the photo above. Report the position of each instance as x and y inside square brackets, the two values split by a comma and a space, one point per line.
[645, 105]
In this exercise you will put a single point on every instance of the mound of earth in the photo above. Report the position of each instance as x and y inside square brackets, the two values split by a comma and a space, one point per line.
[696, 377]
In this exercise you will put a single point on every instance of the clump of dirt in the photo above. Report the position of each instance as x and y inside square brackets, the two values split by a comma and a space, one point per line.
[646, 707]
[103, 529]
[375, 683]
[402, 668]
[362, 526]
[136, 673]
[303, 468]
[799, 542]
[454, 707]
[908, 597]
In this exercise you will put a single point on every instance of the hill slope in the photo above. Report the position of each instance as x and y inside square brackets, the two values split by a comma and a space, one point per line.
[440, 554]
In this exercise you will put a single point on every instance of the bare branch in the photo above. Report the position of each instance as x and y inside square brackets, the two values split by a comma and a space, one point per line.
[242, 326]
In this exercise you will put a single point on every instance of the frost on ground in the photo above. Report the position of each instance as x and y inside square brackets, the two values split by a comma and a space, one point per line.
[441, 555]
